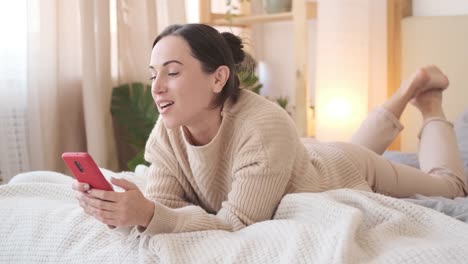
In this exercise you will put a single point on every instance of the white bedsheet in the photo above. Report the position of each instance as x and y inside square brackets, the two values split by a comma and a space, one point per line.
[42, 223]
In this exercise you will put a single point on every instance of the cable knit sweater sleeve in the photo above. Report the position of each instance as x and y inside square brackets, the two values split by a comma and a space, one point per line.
[163, 186]
[263, 158]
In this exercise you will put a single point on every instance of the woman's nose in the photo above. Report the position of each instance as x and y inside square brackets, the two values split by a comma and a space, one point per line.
[157, 86]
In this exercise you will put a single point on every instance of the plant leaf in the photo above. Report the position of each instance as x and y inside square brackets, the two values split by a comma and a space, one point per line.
[282, 101]
[135, 111]
[138, 159]
[249, 80]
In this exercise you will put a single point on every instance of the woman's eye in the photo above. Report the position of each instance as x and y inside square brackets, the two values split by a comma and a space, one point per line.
[173, 73]
[152, 78]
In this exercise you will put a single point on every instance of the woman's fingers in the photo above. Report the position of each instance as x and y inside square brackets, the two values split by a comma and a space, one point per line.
[110, 196]
[100, 214]
[80, 186]
[98, 203]
[86, 199]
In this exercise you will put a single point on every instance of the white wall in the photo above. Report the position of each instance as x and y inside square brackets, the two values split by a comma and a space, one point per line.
[440, 7]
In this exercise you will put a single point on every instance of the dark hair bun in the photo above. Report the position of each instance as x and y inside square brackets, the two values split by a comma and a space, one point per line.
[235, 43]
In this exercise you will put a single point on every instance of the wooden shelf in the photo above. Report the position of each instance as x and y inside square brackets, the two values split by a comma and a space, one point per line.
[302, 10]
[245, 21]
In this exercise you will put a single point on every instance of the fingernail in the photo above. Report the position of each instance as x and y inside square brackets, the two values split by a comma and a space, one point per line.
[86, 186]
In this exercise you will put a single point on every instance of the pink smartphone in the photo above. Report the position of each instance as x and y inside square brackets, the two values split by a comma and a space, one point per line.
[85, 170]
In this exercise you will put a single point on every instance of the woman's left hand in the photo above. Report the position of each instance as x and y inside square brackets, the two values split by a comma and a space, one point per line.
[118, 209]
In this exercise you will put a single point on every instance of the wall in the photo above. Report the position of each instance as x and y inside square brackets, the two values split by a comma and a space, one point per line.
[440, 7]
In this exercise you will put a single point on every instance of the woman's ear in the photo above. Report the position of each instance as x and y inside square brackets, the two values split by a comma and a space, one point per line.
[221, 76]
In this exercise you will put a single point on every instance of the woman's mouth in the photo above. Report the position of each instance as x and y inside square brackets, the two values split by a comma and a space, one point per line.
[164, 106]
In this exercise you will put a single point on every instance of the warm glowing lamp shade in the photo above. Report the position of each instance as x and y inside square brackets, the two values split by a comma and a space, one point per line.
[339, 113]
[339, 109]
[342, 77]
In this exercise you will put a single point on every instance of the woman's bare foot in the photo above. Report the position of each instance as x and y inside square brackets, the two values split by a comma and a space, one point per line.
[424, 79]
[429, 104]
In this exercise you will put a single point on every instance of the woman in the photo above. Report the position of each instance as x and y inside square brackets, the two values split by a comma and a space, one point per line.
[223, 158]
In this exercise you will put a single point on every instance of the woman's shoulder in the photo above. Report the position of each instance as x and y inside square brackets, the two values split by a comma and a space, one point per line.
[255, 113]
[253, 107]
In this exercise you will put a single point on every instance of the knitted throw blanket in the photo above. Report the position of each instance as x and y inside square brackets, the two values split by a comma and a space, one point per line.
[42, 223]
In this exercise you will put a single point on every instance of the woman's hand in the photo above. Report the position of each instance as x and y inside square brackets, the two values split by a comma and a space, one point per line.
[119, 209]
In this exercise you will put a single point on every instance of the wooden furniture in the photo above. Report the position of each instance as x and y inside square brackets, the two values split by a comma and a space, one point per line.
[396, 11]
[302, 10]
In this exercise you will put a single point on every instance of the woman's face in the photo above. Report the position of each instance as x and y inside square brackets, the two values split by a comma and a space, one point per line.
[182, 91]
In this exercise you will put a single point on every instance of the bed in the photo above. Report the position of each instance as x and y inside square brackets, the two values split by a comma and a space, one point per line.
[339, 226]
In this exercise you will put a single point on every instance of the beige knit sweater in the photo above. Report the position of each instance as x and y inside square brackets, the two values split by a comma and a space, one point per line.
[240, 177]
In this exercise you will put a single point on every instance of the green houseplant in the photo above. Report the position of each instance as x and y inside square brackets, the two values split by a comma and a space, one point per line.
[247, 76]
[249, 80]
[134, 110]
[231, 9]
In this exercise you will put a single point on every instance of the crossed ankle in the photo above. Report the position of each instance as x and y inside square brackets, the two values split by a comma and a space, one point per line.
[434, 114]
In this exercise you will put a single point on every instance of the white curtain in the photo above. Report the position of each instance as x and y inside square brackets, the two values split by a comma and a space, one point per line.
[69, 82]
[13, 91]
[56, 87]
[138, 23]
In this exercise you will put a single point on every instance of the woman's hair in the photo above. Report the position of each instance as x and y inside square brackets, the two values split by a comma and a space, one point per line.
[212, 49]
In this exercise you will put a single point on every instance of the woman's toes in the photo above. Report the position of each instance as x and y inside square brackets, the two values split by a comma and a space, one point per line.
[421, 78]
[425, 79]
[417, 81]
[438, 80]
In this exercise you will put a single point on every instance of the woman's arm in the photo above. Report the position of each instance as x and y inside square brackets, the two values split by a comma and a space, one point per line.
[131, 207]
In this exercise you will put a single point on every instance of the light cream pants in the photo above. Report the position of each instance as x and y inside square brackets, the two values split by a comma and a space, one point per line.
[441, 173]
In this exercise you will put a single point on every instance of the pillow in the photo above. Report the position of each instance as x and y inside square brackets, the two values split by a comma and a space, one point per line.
[461, 130]
[410, 159]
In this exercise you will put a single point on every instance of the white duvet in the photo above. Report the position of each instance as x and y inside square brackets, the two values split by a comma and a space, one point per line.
[42, 223]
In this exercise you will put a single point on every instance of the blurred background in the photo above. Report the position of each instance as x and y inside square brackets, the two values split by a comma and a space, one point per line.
[67, 68]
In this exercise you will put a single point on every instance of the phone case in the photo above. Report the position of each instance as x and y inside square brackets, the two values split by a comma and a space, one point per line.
[85, 170]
